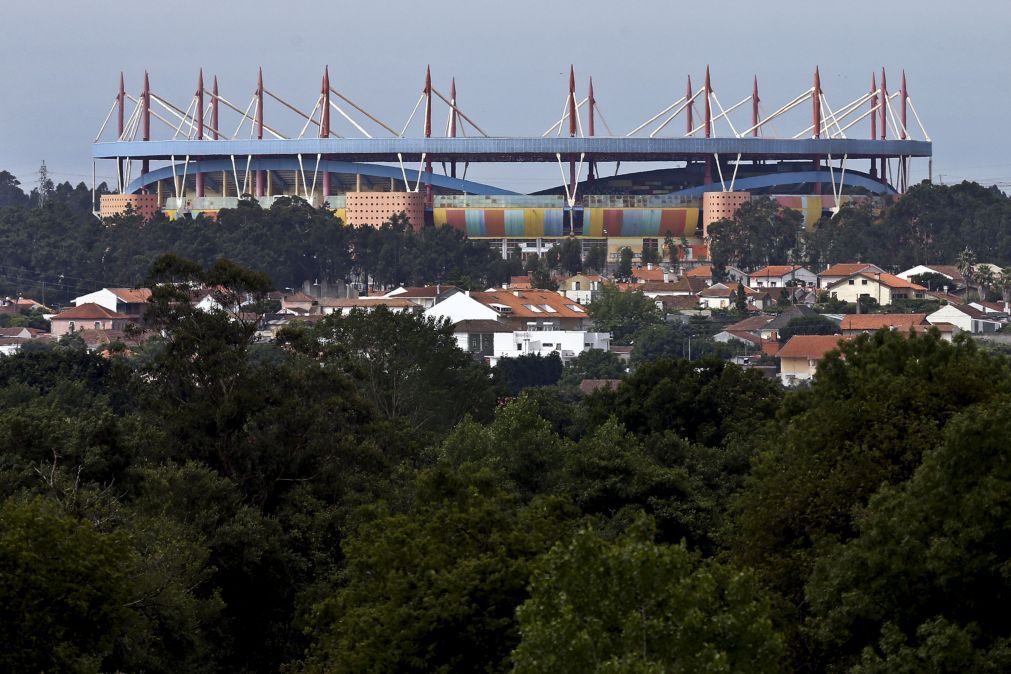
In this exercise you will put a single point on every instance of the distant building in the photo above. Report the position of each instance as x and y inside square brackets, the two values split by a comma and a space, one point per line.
[882, 287]
[799, 358]
[86, 317]
[778, 276]
[843, 270]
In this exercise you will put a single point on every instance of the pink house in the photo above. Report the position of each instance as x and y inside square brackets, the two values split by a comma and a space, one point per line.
[88, 316]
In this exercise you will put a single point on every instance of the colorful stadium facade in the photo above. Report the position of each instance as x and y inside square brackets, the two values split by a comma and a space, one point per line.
[704, 172]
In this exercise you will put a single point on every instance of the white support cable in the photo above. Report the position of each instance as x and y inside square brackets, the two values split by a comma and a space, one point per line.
[831, 174]
[183, 119]
[156, 116]
[667, 121]
[719, 169]
[301, 170]
[892, 117]
[309, 120]
[842, 179]
[131, 120]
[602, 119]
[421, 171]
[245, 116]
[655, 117]
[783, 110]
[353, 122]
[851, 107]
[365, 112]
[107, 118]
[862, 117]
[575, 188]
[737, 163]
[725, 113]
[186, 166]
[832, 116]
[175, 179]
[403, 172]
[917, 117]
[247, 188]
[466, 165]
[315, 172]
[175, 112]
[579, 121]
[409, 119]
[565, 116]
[459, 112]
[565, 181]
[558, 127]
[235, 176]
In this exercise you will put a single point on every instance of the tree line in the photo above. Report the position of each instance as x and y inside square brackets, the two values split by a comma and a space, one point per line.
[930, 224]
[61, 250]
[363, 496]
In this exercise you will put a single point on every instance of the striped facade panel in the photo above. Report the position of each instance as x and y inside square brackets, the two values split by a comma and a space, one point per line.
[475, 222]
[515, 225]
[533, 222]
[593, 222]
[553, 220]
[494, 222]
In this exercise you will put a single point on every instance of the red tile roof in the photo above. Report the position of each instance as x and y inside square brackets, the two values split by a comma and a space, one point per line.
[750, 324]
[776, 271]
[519, 302]
[131, 295]
[703, 271]
[89, 311]
[844, 269]
[809, 346]
[877, 321]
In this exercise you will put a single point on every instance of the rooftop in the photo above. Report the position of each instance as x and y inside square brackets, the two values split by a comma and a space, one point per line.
[809, 346]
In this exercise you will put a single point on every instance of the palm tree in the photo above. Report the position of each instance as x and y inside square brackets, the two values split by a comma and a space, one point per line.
[985, 279]
[967, 266]
[1004, 283]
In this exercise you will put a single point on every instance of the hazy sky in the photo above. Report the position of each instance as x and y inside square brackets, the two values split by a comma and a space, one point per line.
[60, 63]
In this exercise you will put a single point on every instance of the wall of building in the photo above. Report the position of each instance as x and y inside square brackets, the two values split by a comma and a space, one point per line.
[146, 205]
[375, 208]
[721, 205]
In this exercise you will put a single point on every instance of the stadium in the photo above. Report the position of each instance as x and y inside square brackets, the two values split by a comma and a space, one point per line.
[208, 153]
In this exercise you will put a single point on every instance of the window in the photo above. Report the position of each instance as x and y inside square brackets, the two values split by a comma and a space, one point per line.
[533, 308]
[863, 281]
[98, 326]
[577, 285]
[772, 284]
[852, 282]
[71, 326]
[575, 307]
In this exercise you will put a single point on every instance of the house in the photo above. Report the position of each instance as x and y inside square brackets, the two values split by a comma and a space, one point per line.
[86, 316]
[426, 297]
[582, 288]
[567, 343]
[477, 336]
[518, 309]
[297, 302]
[670, 304]
[966, 318]
[884, 288]
[857, 324]
[799, 357]
[345, 305]
[651, 272]
[130, 302]
[844, 270]
[948, 271]
[655, 289]
[704, 272]
[778, 276]
[771, 330]
[520, 283]
[723, 296]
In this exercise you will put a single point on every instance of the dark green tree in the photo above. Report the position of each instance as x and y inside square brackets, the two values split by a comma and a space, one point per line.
[622, 313]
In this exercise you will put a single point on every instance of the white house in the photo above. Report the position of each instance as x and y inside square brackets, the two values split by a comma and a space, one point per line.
[426, 297]
[129, 302]
[779, 275]
[568, 343]
[838, 272]
[462, 307]
[332, 305]
[965, 318]
[948, 271]
[879, 286]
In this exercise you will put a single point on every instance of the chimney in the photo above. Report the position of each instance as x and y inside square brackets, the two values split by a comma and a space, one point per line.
[666, 277]
[517, 293]
[649, 266]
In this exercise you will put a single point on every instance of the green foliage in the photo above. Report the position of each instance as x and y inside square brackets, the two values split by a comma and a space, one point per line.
[622, 313]
[625, 263]
[692, 340]
[923, 585]
[808, 325]
[630, 605]
[64, 588]
[710, 402]
[515, 374]
[593, 364]
[436, 589]
[408, 366]
[760, 233]
[570, 255]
